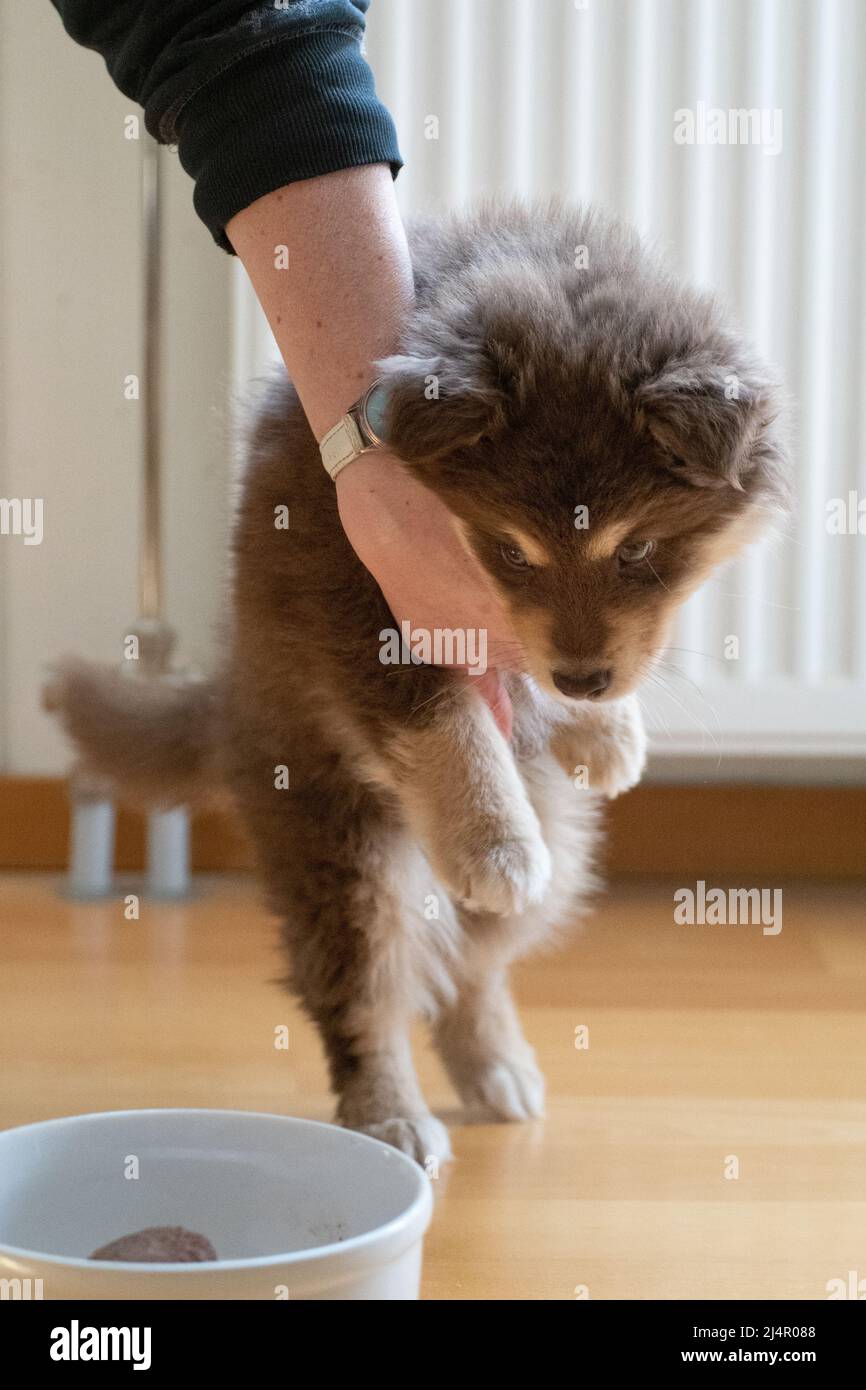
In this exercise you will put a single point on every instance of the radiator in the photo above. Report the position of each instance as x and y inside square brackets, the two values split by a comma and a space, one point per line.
[731, 132]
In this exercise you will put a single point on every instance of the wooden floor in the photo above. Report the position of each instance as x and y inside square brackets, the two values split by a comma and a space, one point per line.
[707, 1044]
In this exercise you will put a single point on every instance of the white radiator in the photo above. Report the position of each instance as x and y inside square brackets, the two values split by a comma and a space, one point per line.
[593, 99]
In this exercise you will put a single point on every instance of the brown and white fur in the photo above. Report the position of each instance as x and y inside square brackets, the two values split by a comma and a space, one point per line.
[415, 854]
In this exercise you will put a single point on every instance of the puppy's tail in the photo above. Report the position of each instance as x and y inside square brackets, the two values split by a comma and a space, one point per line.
[153, 741]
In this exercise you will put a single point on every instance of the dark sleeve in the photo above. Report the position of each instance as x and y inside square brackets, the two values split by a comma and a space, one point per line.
[254, 95]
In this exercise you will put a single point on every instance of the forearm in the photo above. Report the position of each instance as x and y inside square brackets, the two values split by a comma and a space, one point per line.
[337, 296]
[338, 305]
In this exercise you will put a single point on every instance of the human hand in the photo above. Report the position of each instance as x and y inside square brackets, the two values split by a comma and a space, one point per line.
[407, 538]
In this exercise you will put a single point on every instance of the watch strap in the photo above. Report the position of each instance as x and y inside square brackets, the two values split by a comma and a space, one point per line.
[343, 443]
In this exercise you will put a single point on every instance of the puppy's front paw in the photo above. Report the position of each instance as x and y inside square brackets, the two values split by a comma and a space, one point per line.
[618, 763]
[607, 754]
[422, 1138]
[504, 876]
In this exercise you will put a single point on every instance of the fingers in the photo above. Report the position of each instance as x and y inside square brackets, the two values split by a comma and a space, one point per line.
[493, 693]
[408, 540]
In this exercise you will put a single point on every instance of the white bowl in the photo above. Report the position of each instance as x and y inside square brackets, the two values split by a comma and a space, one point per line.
[294, 1209]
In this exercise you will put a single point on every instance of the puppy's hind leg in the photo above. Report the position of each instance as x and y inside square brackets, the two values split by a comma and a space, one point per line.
[481, 1042]
[367, 1040]
[351, 954]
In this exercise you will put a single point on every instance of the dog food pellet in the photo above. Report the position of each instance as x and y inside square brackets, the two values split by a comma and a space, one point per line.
[159, 1245]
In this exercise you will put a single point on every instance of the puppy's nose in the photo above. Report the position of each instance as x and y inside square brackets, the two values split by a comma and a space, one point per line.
[581, 687]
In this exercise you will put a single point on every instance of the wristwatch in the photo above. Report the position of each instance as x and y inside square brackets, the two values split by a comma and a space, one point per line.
[359, 430]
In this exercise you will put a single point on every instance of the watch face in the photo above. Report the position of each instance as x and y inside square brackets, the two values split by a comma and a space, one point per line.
[374, 410]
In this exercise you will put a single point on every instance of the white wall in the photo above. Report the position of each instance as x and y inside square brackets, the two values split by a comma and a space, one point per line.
[70, 330]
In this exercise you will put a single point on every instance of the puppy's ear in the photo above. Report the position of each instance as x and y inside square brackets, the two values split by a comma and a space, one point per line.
[436, 406]
[468, 362]
[708, 420]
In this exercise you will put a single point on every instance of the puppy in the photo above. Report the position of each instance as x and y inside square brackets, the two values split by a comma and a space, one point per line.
[604, 441]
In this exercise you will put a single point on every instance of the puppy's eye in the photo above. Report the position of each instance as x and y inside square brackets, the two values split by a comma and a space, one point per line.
[634, 552]
[513, 556]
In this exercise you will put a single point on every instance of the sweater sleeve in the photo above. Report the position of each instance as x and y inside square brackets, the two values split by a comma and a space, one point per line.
[255, 96]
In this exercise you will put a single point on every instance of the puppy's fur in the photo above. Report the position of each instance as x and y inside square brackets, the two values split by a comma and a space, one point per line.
[415, 854]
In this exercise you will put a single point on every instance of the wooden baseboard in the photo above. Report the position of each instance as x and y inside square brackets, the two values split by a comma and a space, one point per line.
[692, 831]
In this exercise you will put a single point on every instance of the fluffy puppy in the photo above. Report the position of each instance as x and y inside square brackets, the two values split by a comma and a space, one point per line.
[604, 440]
